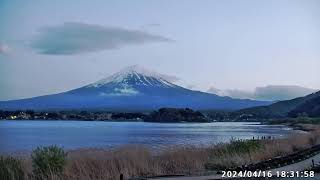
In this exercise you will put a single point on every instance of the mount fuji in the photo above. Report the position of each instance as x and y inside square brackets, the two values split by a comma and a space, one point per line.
[134, 88]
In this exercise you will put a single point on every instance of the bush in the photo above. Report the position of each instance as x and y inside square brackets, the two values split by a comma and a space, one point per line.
[11, 169]
[239, 146]
[232, 154]
[48, 162]
[243, 146]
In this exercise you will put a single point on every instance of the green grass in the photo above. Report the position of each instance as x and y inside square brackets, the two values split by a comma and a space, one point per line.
[222, 156]
[243, 146]
[48, 162]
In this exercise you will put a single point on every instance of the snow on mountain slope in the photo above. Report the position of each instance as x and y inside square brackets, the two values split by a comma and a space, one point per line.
[133, 80]
[136, 75]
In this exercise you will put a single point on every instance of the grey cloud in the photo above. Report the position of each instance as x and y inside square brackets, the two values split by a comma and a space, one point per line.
[170, 78]
[153, 25]
[191, 86]
[76, 38]
[268, 93]
[274, 92]
[240, 94]
[4, 49]
[216, 91]
[234, 93]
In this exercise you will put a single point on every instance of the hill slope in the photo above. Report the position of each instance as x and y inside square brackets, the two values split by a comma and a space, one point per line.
[278, 109]
[310, 108]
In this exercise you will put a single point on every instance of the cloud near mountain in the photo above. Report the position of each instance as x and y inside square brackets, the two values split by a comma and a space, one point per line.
[75, 38]
[235, 93]
[270, 93]
[4, 49]
[281, 92]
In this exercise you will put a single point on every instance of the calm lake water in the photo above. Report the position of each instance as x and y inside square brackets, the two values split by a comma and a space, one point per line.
[18, 136]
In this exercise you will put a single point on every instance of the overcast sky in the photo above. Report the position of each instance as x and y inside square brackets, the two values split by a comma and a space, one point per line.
[53, 46]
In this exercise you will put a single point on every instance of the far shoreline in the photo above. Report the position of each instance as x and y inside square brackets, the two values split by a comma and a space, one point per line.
[128, 120]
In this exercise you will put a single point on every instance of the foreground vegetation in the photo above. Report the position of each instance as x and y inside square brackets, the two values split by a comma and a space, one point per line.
[136, 161]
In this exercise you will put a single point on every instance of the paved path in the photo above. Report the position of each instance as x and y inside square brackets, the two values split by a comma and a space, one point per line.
[299, 166]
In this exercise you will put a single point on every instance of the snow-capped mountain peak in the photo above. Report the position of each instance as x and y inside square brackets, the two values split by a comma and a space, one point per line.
[133, 88]
[137, 75]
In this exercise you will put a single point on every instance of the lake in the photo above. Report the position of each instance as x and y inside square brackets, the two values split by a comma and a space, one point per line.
[20, 136]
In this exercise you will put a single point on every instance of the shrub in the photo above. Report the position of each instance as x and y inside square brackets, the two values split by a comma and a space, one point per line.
[11, 169]
[48, 162]
[232, 154]
[240, 146]
[243, 146]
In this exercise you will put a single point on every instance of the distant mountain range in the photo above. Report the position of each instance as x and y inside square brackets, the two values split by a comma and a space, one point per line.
[133, 88]
[308, 105]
